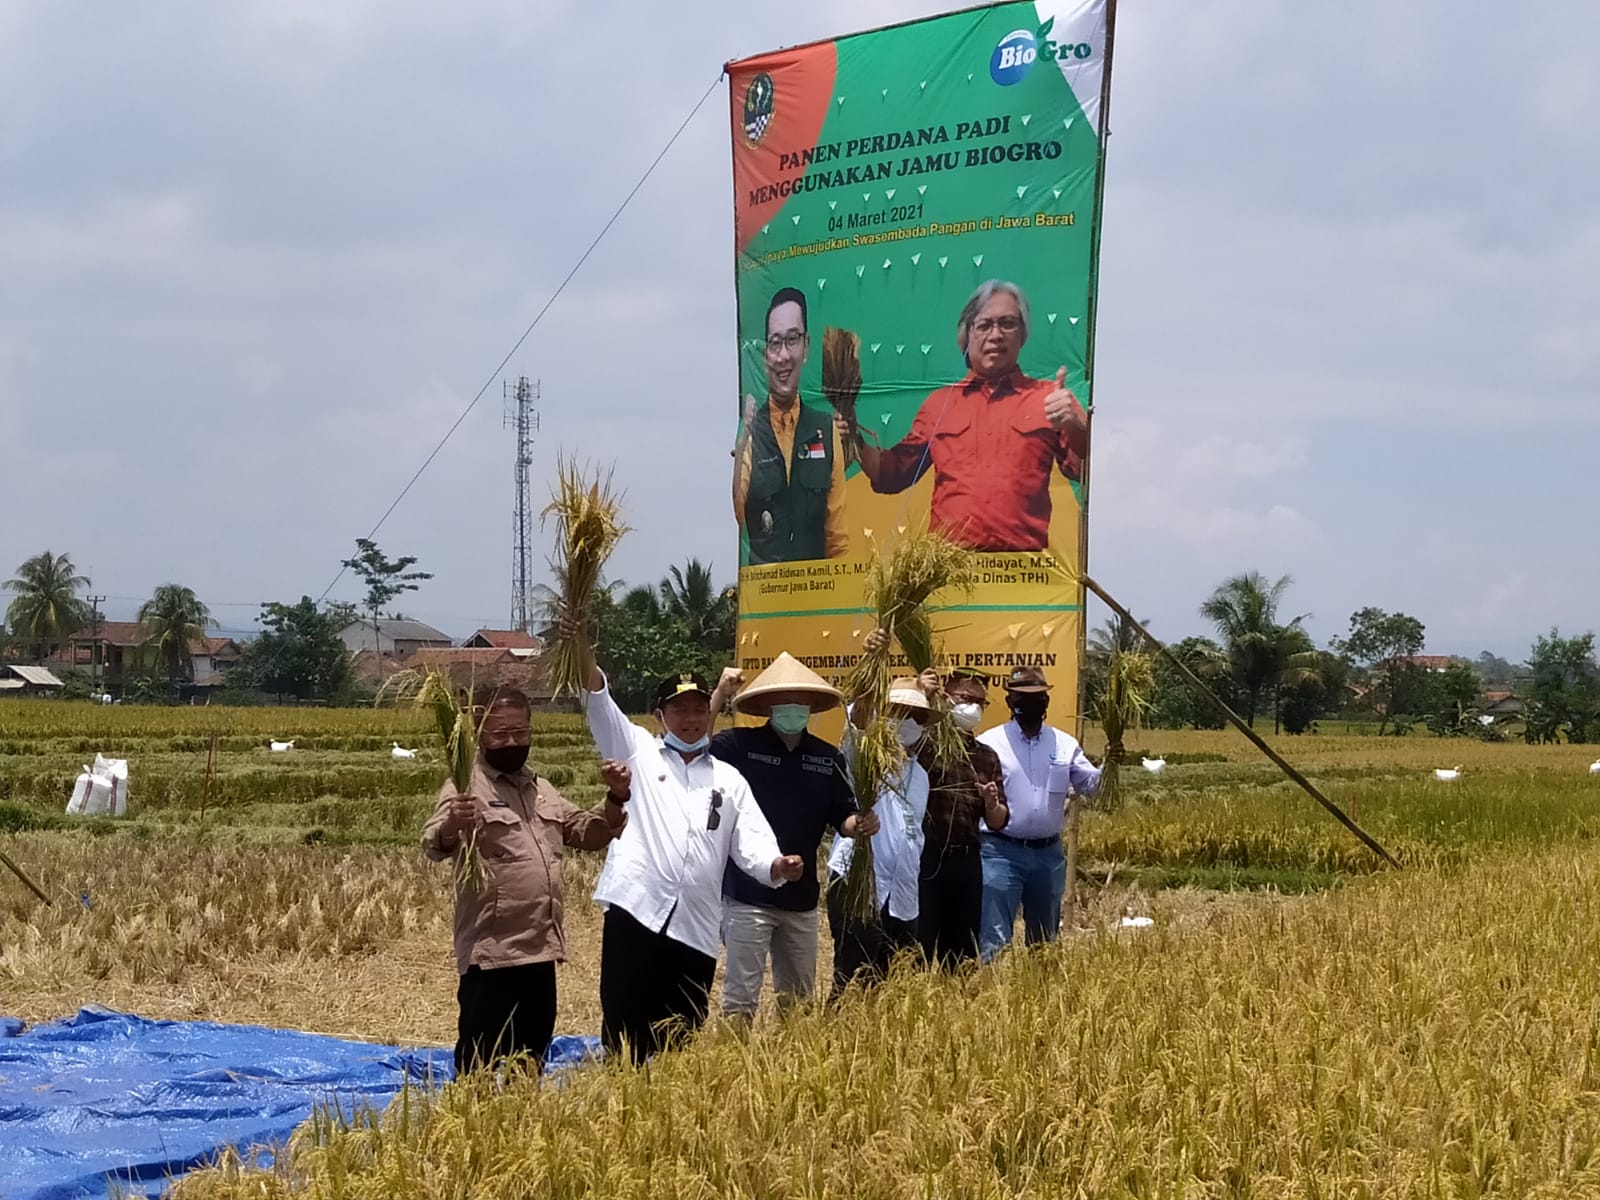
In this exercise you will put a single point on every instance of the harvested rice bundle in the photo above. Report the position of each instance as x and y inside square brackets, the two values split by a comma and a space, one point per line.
[841, 377]
[458, 725]
[900, 587]
[588, 528]
[1130, 683]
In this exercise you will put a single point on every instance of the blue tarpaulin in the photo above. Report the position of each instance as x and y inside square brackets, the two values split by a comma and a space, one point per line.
[108, 1096]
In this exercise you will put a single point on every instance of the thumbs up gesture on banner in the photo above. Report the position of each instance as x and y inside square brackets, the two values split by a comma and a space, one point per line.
[1061, 407]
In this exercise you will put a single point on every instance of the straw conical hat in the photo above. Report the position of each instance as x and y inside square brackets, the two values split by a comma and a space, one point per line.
[789, 674]
[907, 693]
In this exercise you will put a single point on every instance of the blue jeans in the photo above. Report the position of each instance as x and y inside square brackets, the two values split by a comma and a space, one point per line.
[1014, 875]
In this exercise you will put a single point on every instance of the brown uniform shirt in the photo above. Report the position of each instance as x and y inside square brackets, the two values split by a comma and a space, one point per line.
[516, 917]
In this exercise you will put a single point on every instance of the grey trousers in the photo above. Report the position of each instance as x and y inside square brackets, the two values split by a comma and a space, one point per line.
[751, 935]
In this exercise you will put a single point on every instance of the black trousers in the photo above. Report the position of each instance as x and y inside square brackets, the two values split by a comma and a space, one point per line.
[862, 950]
[505, 1010]
[950, 900]
[654, 992]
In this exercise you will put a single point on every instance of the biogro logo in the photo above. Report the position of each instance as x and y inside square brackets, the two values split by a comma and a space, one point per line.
[1013, 57]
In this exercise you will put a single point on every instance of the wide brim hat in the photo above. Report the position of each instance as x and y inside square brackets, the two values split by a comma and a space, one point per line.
[907, 693]
[1026, 680]
[787, 674]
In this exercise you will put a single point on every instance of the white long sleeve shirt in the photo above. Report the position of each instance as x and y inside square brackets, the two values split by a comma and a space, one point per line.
[665, 870]
[1038, 773]
[897, 846]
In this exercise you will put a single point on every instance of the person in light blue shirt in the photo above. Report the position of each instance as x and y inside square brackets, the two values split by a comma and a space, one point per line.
[1023, 865]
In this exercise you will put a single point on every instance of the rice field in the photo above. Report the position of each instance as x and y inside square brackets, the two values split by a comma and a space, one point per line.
[1298, 1021]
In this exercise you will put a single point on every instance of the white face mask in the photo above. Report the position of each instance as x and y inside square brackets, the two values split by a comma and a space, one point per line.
[966, 715]
[910, 732]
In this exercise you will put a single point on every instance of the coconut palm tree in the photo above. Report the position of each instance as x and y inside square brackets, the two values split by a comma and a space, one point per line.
[171, 619]
[706, 612]
[46, 610]
[1261, 652]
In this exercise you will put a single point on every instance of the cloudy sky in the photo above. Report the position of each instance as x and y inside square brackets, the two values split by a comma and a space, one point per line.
[256, 257]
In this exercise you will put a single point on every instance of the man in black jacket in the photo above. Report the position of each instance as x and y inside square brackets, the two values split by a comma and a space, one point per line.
[801, 785]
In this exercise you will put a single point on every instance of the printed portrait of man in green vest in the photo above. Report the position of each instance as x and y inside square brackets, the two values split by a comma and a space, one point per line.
[788, 475]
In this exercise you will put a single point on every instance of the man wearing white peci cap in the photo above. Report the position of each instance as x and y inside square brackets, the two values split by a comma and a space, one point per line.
[801, 786]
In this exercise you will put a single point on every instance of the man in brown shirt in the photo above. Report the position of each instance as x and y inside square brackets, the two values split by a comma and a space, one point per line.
[508, 935]
[960, 794]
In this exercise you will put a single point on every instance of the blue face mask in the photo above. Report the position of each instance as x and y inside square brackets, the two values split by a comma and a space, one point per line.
[790, 719]
[677, 743]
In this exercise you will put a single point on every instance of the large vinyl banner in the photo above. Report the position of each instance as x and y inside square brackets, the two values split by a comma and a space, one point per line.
[916, 214]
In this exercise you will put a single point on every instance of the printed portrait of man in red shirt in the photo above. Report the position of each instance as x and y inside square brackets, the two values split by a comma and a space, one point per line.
[992, 440]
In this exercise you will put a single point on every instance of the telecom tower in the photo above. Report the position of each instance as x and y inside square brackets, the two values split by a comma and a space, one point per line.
[524, 418]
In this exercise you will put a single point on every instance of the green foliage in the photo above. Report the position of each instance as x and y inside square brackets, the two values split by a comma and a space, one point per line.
[708, 615]
[686, 624]
[300, 654]
[1496, 671]
[385, 578]
[1175, 704]
[1453, 695]
[171, 619]
[45, 610]
[1378, 643]
[1104, 644]
[1317, 690]
[1564, 697]
[1263, 655]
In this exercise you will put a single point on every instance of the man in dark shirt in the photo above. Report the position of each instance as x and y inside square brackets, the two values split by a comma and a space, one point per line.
[801, 785]
[960, 793]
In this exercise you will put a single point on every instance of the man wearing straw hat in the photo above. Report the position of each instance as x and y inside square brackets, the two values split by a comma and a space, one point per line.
[689, 815]
[862, 950]
[801, 785]
[1023, 864]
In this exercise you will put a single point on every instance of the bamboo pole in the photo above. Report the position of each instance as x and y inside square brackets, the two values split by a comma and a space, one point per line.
[1238, 723]
[32, 886]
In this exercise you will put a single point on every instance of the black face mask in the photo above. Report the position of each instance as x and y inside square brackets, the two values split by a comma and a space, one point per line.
[1029, 710]
[508, 760]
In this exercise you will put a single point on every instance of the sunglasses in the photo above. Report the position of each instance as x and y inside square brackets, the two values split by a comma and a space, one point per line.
[715, 819]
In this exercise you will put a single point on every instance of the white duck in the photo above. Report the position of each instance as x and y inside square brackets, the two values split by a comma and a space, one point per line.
[1449, 775]
[1154, 765]
[280, 747]
[400, 751]
[1594, 767]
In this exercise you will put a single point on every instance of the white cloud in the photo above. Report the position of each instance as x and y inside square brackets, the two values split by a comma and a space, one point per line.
[1197, 492]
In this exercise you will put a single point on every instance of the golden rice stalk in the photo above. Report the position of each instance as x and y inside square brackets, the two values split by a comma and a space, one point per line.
[841, 376]
[588, 528]
[458, 731]
[875, 763]
[1130, 686]
[900, 587]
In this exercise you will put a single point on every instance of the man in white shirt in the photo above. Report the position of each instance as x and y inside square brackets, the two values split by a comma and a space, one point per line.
[863, 950]
[1024, 866]
[662, 883]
